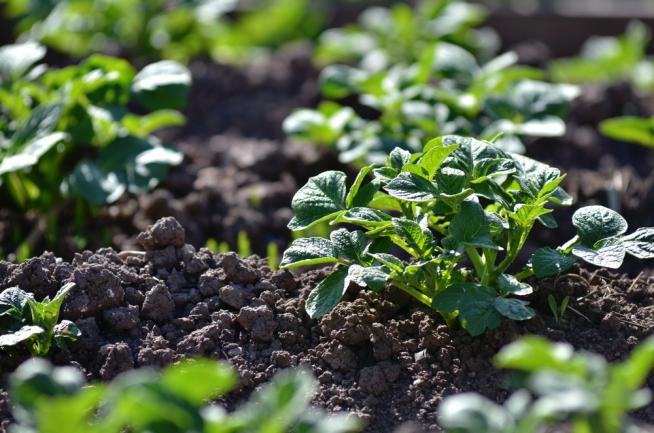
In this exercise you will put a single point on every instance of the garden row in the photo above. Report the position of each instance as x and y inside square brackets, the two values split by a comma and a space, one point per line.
[450, 247]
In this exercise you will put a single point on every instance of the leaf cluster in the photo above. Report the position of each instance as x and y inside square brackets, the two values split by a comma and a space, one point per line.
[607, 59]
[51, 399]
[557, 388]
[33, 324]
[445, 226]
[383, 37]
[71, 132]
[443, 88]
[178, 30]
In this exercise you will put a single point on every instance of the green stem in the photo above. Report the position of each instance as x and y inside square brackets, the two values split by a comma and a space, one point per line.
[477, 261]
[525, 273]
[515, 245]
[413, 292]
[489, 259]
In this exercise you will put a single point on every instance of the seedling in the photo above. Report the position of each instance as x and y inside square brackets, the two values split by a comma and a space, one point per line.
[34, 325]
[460, 212]
[559, 388]
[272, 253]
[630, 129]
[558, 311]
[52, 399]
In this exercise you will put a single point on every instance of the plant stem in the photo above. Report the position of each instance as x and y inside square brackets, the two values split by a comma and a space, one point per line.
[413, 292]
[525, 273]
[489, 259]
[477, 261]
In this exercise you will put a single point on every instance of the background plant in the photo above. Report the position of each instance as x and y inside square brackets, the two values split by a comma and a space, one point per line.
[445, 225]
[180, 30]
[33, 324]
[51, 399]
[558, 388]
[70, 133]
[432, 83]
[606, 60]
[639, 130]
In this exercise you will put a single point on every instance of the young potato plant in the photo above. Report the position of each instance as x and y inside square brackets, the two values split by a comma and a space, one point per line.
[606, 60]
[70, 132]
[445, 225]
[34, 325]
[177, 400]
[178, 30]
[560, 390]
[639, 130]
[387, 36]
[447, 92]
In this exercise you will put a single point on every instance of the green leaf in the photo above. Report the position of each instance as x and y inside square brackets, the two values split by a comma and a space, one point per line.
[526, 214]
[398, 158]
[389, 260]
[358, 196]
[471, 227]
[348, 245]
[514, 309]
[411, 187]
[640, 243]
[13, 299]
[475, 303]
[199, 380]
[473, 413]
[435, 153]
[450, 181]
[308, 251]
[16, 59]
[630, 129]
[547, 262]
[142, 126]
[510, 284]
[477, 311]
[327, 294]
[418, 240]
[531, 354]
[162, 85]
[321, 198]
[594, 223]
[23, 334]
[372, 277]
[90, 182]
[368, 218]
[609, 253]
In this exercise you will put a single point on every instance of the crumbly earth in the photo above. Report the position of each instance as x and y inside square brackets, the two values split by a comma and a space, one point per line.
[383, 357]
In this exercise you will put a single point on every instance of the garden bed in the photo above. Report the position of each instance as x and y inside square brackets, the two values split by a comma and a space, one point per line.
[382, 357]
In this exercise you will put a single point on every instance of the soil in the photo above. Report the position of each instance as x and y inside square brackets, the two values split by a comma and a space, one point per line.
[383, 357]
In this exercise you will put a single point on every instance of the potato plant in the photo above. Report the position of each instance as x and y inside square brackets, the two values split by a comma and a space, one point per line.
[176, 400]
[606, 60]
[560, 390]
[383, 37]
[33, 324]
[178, 30]
[448, 91]
[70, 133]
[446, 225]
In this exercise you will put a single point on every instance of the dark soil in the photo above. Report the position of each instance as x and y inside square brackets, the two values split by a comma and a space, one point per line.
[382, 357]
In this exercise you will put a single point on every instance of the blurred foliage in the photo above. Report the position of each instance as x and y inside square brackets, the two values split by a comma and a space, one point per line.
[51, 399]
[560, 390]
[606, 60]
[227, 30]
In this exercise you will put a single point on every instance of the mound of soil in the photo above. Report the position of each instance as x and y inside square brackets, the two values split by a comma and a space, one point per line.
[383, 357]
